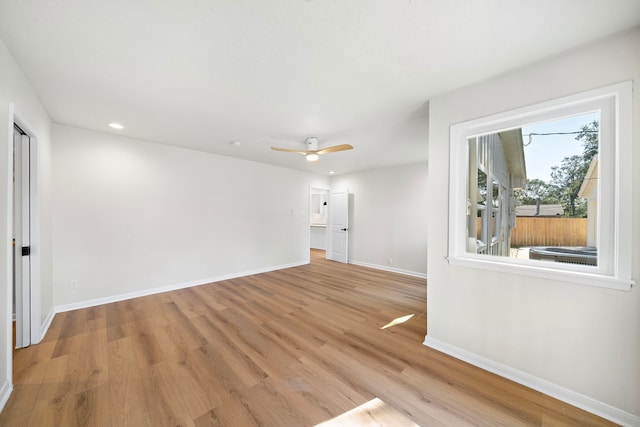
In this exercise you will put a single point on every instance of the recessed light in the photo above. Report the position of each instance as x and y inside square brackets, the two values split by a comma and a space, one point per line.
[116, 126]
[235, 143]
[331, 172]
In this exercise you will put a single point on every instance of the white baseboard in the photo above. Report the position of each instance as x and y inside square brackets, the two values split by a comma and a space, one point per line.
[129, 295]
[5, 393]
[571, 397]
[47, 322]
[386, 268]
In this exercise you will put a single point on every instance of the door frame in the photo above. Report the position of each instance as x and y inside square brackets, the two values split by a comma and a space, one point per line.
[15, 118]
[21, 238]
[326, 228]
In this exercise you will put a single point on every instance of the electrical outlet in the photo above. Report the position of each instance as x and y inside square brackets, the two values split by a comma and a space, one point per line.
[74, 284]
[390, 260]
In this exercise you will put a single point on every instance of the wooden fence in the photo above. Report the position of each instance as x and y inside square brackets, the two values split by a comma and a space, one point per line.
[531, 231]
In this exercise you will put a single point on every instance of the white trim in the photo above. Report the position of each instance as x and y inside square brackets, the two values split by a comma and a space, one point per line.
[129, 295]
[9, 261]
[623, 185]
[508, 265]
[312, 225]
[571, 397]
[47, 322]
[5, 393]
[391, 269]
[36, 242]
[614, 245]
[15, 117]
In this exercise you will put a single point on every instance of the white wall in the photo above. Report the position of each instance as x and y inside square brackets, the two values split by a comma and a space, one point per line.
[132, 216]
[14, 88]
[318, 237]
[388, 217]
[580, 342]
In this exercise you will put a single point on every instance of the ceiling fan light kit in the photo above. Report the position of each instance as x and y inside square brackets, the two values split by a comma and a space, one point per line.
[312, 143]
[312, 154]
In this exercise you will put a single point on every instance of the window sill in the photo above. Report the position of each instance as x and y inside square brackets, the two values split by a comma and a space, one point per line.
[576, 277]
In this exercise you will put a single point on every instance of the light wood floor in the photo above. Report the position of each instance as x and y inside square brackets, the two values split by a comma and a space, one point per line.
[296, 347]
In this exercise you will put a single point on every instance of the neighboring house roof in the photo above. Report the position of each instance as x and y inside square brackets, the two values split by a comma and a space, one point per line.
[514, 153]
[589, 187]
[539, 210]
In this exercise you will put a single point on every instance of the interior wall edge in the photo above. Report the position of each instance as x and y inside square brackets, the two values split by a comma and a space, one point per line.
[44, 327]
[5, 393]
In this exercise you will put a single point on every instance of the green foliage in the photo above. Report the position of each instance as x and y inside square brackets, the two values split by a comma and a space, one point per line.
[566, 178]
[536, 190]
[589, 137]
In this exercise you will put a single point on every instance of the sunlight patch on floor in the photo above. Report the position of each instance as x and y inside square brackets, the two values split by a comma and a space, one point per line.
[374, 413]
[397, 321]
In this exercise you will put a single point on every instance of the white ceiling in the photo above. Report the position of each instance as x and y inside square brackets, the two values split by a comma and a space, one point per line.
[203, 73]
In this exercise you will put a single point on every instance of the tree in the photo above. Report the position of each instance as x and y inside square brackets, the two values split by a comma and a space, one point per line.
[535, 190]
[567, 178]
[589, 137]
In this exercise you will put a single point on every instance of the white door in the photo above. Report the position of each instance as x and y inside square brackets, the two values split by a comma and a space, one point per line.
[338, 243]
[21, 238]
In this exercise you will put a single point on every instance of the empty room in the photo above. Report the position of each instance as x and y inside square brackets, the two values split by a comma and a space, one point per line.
[320, 213]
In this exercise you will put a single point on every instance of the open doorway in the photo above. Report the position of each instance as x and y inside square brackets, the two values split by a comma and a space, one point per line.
[24, 260]
[21, 237]
[318, 211]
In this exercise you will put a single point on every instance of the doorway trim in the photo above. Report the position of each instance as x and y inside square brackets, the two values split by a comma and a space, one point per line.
[316, 190]
[17, 119]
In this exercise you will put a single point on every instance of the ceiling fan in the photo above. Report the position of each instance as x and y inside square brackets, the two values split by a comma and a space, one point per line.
[312, 153]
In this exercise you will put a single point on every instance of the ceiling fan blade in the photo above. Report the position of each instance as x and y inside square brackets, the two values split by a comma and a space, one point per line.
[288, 150]
[335, 148]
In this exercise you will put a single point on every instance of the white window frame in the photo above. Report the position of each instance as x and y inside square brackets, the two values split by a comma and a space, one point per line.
[614, 187]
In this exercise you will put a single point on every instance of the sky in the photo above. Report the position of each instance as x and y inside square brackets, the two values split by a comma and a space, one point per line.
[546, 151]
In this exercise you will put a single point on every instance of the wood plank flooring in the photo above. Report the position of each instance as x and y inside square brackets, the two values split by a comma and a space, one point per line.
[295, 347]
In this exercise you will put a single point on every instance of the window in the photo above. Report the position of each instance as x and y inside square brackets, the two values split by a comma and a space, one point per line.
[498, 191]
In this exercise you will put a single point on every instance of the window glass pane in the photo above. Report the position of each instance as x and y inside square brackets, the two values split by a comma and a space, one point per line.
[536, 191]
[577, 184]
